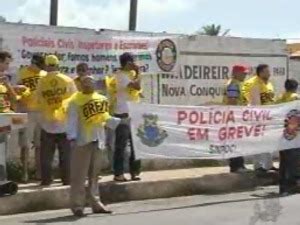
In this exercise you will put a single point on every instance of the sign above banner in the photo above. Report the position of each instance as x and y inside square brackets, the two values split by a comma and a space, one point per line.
[213, 132]
[100, 51]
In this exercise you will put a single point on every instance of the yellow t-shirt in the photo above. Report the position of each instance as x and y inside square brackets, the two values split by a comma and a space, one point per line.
[288, 97]
[266, 90]
[30, 77]
[5, 104]
[52, 90]
[92, 110]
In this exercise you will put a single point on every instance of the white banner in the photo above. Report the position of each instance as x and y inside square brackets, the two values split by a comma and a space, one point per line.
[12, 121]
[100, 51]
[213, 132]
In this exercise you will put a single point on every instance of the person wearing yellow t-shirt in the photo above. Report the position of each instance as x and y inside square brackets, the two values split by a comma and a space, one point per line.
[290, 94]
[52, 90]
[87, 116]
[8, 93]
[124, 86]
[29, 76]
[258, 90]
[9, 96]
[289, 159]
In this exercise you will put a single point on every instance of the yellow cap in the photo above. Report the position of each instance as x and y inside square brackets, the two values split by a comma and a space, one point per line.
[51, 60]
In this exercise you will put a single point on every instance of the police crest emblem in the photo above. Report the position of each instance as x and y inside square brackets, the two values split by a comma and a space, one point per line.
[292, 125]
[150, 133]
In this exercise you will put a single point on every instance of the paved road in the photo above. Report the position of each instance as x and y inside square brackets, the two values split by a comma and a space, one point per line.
[246, 208]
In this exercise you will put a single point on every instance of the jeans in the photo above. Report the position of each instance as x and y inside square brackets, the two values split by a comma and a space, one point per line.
[49, 143]
[122, 140]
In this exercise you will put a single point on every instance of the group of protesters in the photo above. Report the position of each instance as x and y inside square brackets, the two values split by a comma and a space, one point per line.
[73, 116]
[258, 90]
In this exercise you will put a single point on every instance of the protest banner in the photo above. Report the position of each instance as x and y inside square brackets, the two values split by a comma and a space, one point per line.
[213, 132]
[100, 51]
[186, 70]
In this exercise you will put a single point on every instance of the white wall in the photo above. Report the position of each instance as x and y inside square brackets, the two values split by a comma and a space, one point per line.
[294, 67]
[206, 64]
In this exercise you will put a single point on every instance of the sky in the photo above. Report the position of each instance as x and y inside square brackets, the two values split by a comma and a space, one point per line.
[244, 18]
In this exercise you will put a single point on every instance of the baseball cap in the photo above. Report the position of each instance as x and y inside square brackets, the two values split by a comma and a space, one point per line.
[240, 69]
[51, 60]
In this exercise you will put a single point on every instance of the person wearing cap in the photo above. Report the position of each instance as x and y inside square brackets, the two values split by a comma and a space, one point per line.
[258, 90]
[29, 77]
[233, 96]
[87, 112]
[124, 86]
[52, 90]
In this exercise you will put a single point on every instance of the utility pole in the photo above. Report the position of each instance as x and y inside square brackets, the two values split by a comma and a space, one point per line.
[133, 14]
[53, 12]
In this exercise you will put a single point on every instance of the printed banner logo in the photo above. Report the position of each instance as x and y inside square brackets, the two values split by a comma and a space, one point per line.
[166, 55]
[150, 133]
[292, 125]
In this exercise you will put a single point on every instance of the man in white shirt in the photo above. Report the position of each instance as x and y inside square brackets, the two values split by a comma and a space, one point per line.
[126, 78]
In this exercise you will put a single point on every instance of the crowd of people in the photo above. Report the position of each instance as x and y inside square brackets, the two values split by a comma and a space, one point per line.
[75, 116]
[258, 90]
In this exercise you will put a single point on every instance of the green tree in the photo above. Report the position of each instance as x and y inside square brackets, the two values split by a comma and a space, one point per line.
[213, 30]
[2, 19]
